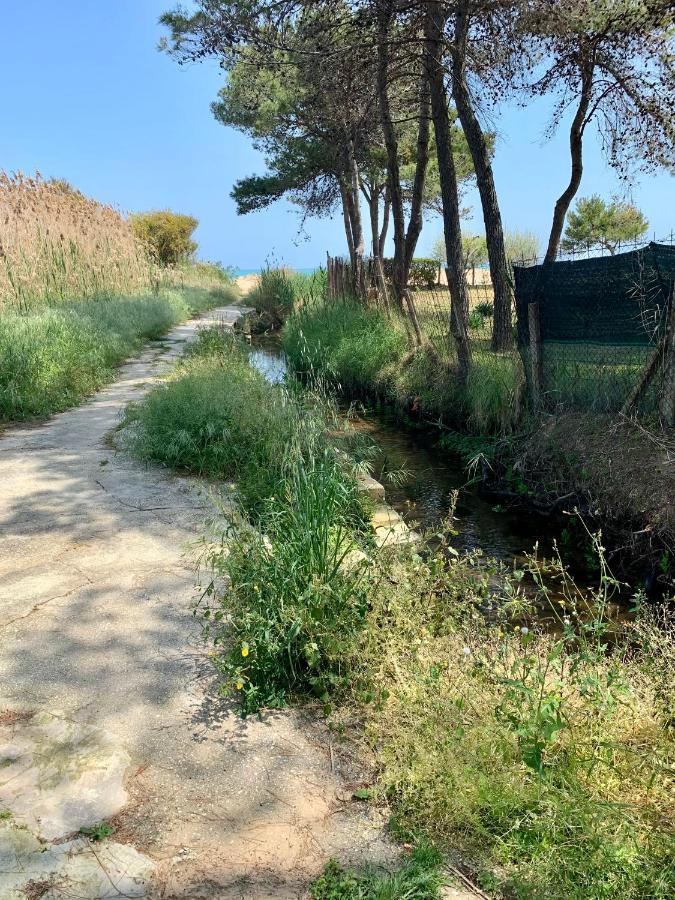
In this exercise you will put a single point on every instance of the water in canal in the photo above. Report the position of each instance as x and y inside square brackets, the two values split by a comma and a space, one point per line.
[424, 497]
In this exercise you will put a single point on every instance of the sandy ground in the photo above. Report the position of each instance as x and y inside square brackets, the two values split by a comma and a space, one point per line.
[96, 627]
[246, 283]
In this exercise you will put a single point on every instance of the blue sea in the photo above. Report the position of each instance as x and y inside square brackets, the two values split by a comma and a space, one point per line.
[304, 271]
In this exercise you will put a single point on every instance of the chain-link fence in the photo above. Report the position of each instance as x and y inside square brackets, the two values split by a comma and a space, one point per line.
[593, 331]
[596, 332]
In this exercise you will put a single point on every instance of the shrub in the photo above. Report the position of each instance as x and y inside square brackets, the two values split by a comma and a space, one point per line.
[167, 235]
[423, 273]
[485, 309]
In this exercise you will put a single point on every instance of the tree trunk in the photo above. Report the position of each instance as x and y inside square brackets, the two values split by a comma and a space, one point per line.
[385, 222]
[421, 162]
[374, 211]
[344, 194]
[384, 17]
[354, 200]
[500, 271]
[576, 154]
[374, 208]
[434, 23]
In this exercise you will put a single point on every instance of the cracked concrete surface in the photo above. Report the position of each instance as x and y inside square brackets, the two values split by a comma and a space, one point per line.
[96, 625]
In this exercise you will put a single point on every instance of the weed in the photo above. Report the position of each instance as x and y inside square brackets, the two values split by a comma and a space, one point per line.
[419, 878]
[543, 756]
[290, 617]
[98, 832]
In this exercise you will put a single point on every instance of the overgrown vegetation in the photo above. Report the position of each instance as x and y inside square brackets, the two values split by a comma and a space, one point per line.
[79, 293]
[296, 601]
[365, 354]
[53, 356]
[279, 291]
[541, 753]
[58, 245]
[544, 757]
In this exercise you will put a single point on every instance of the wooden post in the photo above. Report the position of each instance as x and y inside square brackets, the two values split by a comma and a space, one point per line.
[536, 357]
[412, 312]
[379, 273]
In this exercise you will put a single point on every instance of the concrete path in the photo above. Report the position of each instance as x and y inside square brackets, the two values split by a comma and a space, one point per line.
[108, 704]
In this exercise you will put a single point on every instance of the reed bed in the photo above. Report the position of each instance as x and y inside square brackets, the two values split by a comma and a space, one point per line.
[58, 245]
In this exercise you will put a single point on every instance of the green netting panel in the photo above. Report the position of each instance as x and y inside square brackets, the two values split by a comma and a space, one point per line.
[615, 300]
[600, 320]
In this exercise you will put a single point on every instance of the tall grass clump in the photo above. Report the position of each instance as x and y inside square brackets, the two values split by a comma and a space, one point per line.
[543, 756]
[352, 347]
[295, 603]
[362, 352]
[58, 245]
[52, 357]
[217, 417]
[279, 291]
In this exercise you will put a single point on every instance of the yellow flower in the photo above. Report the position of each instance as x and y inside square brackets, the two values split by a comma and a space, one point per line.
[211, 653]
[240, 685]
[244, 649]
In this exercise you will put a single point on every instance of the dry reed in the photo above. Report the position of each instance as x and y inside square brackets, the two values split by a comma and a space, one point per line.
[56, 244]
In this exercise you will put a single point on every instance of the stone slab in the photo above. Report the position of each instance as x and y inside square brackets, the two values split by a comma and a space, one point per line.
[57, 776]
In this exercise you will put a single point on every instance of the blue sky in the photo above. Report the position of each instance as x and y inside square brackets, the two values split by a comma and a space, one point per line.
[87, 97]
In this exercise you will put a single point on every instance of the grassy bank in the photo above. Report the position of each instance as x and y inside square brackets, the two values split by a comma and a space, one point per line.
[52, 356]
[364, 354]
[543, 760]
[539, 761]
[294, 609]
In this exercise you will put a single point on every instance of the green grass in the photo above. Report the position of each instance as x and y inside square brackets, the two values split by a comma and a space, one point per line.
[361, 353]
[544, 758]
[419, 878]
[220, 418]
[280, 291]
[293, 607]
[54, 356]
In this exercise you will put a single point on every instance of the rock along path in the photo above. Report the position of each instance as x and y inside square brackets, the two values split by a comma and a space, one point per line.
[109, 709]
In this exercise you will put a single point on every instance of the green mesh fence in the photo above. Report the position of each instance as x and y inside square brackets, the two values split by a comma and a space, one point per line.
[601, 320]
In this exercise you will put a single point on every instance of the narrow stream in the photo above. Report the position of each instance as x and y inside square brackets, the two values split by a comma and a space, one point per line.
[424, 498]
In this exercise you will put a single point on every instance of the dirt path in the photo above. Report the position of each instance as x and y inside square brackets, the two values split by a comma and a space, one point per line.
[108, 705]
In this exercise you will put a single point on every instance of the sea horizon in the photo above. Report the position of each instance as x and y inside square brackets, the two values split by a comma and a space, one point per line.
[305, 270]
